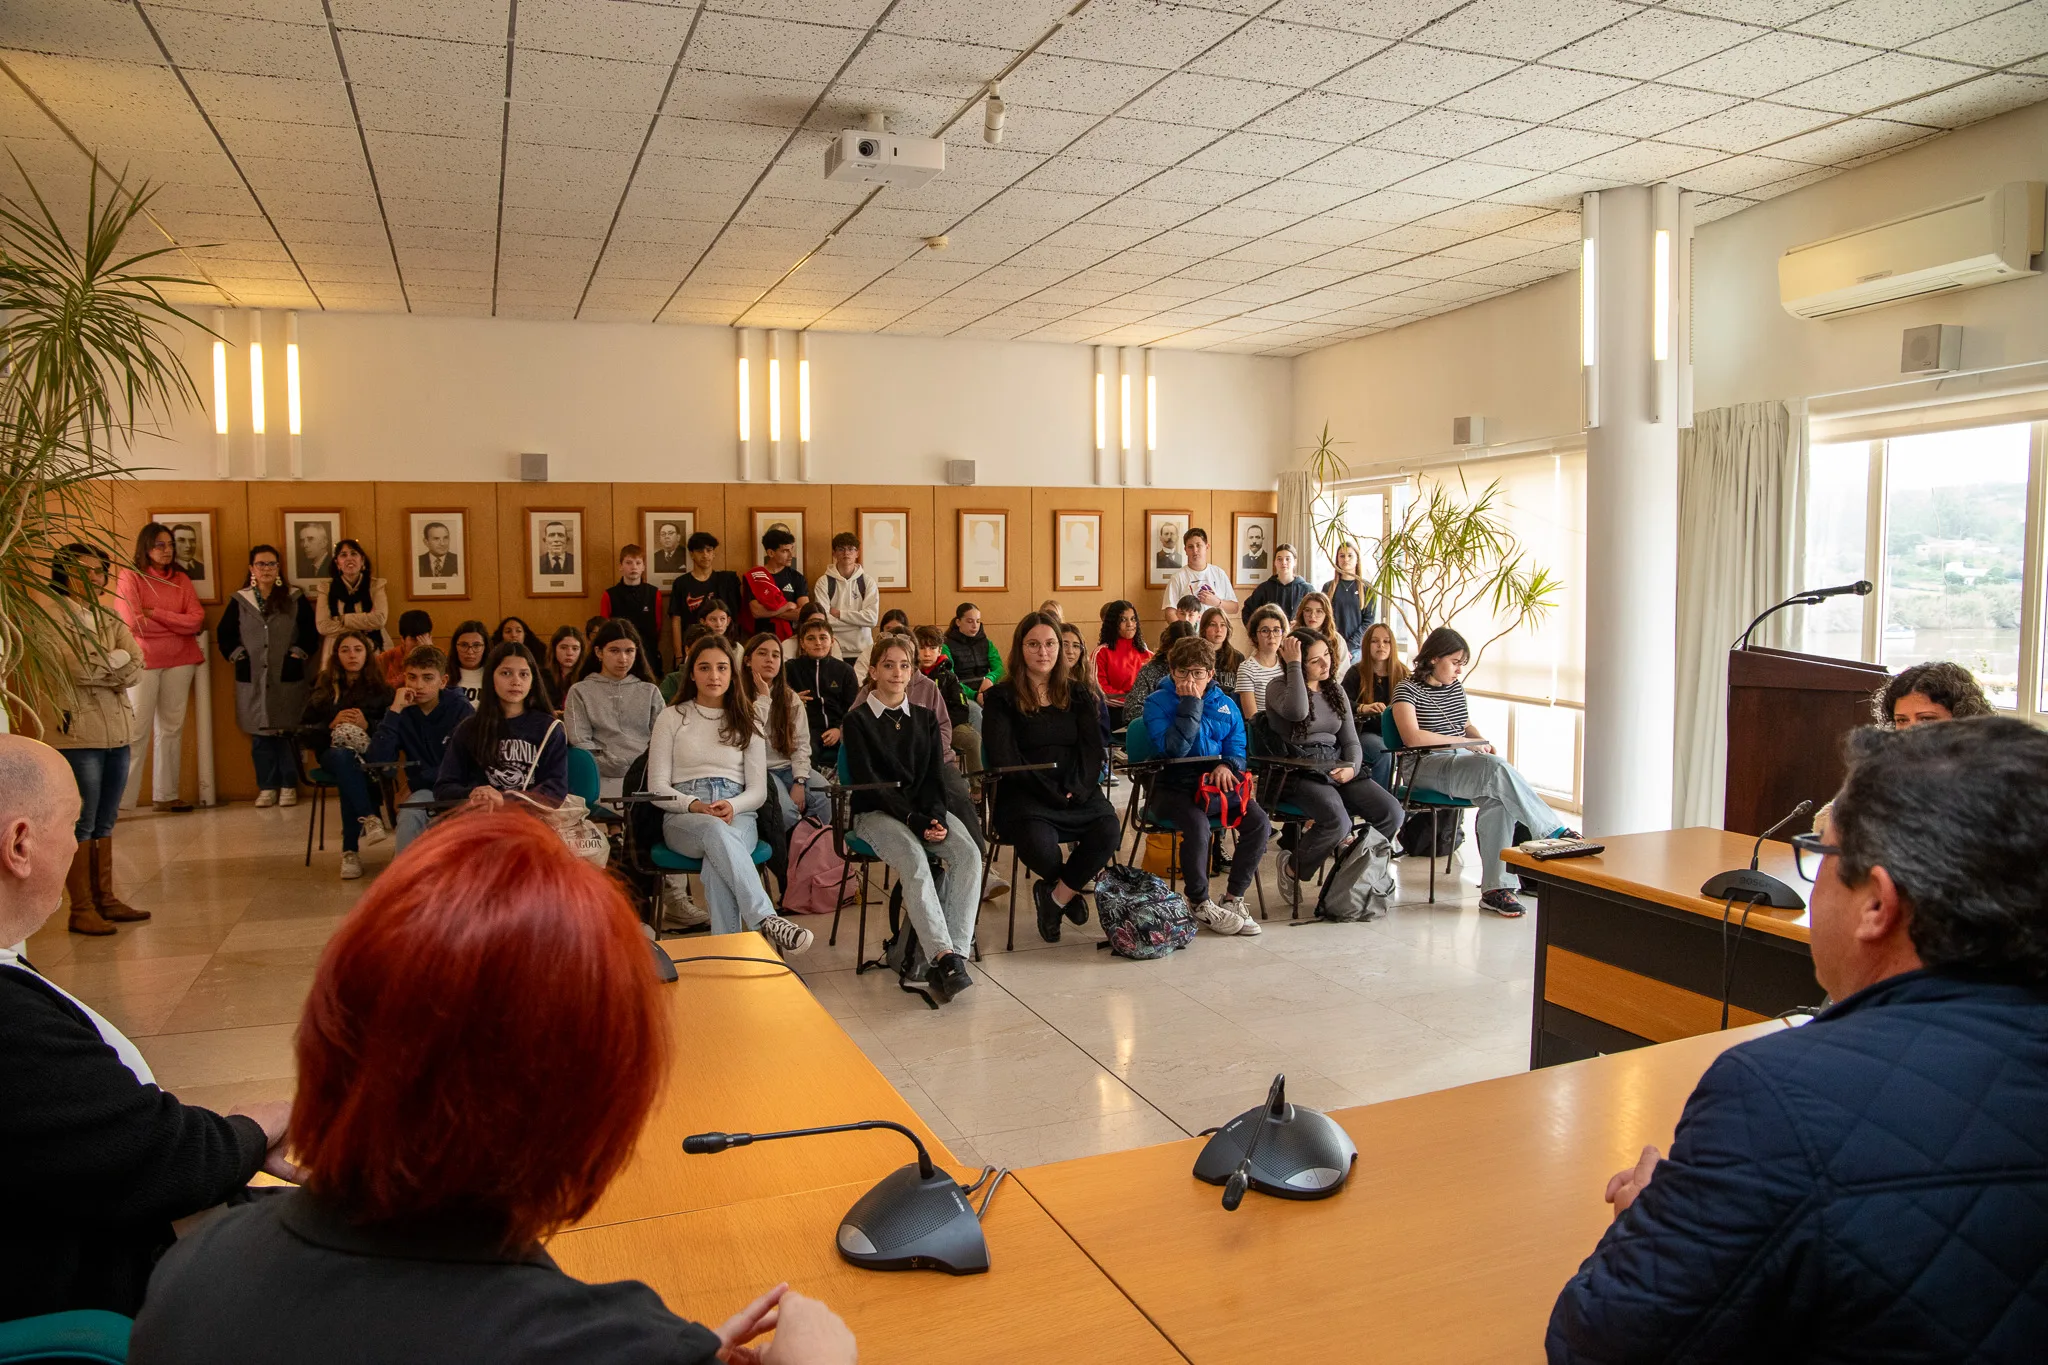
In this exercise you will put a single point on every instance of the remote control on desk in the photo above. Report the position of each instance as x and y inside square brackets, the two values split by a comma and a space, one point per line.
[1544, 850]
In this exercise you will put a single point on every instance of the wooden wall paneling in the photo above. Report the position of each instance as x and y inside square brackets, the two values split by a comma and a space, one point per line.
[1151, 601]
[394, 554]
[922, 601]
[630, 499]
[1000, 611]
[1082, 607]
[596, 554]
[740, 550]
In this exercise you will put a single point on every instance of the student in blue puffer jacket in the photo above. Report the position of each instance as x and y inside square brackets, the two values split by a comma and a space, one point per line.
[1188, 716]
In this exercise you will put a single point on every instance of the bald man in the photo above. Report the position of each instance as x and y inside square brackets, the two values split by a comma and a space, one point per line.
[99, 1161]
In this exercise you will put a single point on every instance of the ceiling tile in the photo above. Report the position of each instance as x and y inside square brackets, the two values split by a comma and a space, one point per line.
[1299, 197]
[1558, 190]
[1378, 18]
[1768, 13]
[1446, 132]
[1152, 214]
[1769, 63]
[1647, 111]
[1886, 23]
[1548, 149]
[710, 139]
[595, 82]
[1152, 144]
[1395, 206]
[105, 32]
[1465, 179]
[1413, 74]
[1330, 117]
[1207, 101]
[642, 33]
[1870, 85]
[1142, 33]
[1747, 127]
[1074, 84]
[1258, 154]
[1482, 217]
[210, 42]
[772, 100]
[1966, 104]
[1286, 54]
[1016, 24]
[1522, 28]
[279, 98]
[1996, 40]
[1645, 162]
[1739, 173]
[1540, 93]
[1232, 218]
[556, 125]
[461, 70]
[1086, 175]
[1365, 168]
[1188, 185]
[1846, 141]
[1652, 42]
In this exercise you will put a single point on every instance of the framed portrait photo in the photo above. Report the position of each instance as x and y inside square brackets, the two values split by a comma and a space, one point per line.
[437, 554]
[1164, 555]
[1251, 548]
[885, 545]
[790, 519]
[554, 551]
[192, 549]
[309, 541]
[666, 532]
[1077, 549]
[984, 549]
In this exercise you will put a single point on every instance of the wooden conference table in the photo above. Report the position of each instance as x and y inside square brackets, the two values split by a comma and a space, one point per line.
[1629, 953]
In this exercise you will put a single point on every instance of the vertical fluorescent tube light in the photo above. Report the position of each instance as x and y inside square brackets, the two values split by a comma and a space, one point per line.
[220, 397]
[256, 393]
[1589, 304]
[293, 426]
[803, 406]
[1124, 415]
[1681, 296]
[746, 403]
[1151, 419]
[1101, 412]
[775, 406]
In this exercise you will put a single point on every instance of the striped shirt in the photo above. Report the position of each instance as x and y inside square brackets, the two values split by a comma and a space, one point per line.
[1252, 677]
[1439, 710]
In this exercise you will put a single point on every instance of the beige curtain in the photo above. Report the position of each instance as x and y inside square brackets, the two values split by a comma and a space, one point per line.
[1738, 535]
[1294, 525]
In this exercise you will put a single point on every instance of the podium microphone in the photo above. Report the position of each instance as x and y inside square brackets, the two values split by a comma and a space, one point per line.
[1758, 888]
[916, 1217]
[1811, 597]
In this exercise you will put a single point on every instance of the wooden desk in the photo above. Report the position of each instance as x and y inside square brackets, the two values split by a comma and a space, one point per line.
[1468, 1211]
[1629, 953]
[755, 1051]
[1042, 1299]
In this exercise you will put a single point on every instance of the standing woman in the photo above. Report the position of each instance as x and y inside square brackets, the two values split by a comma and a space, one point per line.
[1314, 614]
[561, 668]
[611, 708]
[889, 741]
[162, 611]
[1120, 651]
[348, 702]
[466, 649]
[1268, 627]
[1311, 713]
[976, 661]
[267, 632]
[93, 726]
[351, 599]
[1215, 629]
[1041, 714]
[1350, 601]
[1370, 686]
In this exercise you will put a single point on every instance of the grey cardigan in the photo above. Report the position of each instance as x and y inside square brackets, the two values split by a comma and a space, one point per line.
[1290, 701]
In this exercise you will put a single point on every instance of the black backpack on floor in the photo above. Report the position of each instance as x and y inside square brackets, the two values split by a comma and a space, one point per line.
[1450, 834]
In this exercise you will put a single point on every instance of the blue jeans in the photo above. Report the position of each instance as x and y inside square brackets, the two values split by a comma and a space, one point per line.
[102, 775]
[817, 803]
[277, 761]
[412, 818]
[1504, 798]
[352, 786]
[943, 907]
[733, 894]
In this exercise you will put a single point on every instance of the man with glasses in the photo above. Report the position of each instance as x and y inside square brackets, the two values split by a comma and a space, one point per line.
[1873, 1185]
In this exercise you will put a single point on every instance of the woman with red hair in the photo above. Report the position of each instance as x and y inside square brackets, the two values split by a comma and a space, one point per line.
[481, 1046]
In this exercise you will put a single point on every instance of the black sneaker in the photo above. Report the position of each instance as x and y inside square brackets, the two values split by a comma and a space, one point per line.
[954, 968]
[1048, 911]
[935, 978]
[1502, 903]
[1077, 909]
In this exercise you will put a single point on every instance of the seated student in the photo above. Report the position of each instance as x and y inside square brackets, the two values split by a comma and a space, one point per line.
[888, 739]
[1283, 589]
[694, 591]
[99, 1159]
[1187, 716]
[1187, 607]
[780, 720]
[562, 666]
[1074, 652]
[612, 704]
[1051, 607]
[1120, 651]
[965, 740]
[1314, 717]
[422, 717]
[508, 746]
[716, 621]
[826, 685]
[512, 630]
[1268, 628]
[711, 764]
[895, 619]
[977, 663]
[1040, 714]
[1429, 709]
[1214, 626]
[481, 1048]
[923, 692]
[1370, 685]
[348, 701]
[466, 650]
[1314, 615]
[415, 631]
[1155, 668]
[773, 594]
[634, 599]
[1869, 1186]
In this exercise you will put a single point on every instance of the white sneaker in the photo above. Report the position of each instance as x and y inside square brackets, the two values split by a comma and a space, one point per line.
[995, 886]
[1250, 928]
[351, 867]
[786, 934]
[373, 830]
[1219, 920]
[266, 798]
[288, 796]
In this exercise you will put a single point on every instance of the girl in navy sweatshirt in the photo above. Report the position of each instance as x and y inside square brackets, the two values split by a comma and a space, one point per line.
[507, 746]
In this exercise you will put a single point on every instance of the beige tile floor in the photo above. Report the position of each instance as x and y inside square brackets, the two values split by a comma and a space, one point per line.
[1059, 1050]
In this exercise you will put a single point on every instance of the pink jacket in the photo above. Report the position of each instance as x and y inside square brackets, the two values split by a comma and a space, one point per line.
[170, 636]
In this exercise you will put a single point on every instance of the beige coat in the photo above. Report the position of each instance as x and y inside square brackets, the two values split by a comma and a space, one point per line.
[98, 714]
[331, 623]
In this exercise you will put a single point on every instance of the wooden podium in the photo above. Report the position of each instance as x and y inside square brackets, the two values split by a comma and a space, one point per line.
[1787, 714]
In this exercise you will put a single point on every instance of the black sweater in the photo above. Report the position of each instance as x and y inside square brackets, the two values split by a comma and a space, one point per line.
[831, 686]
[98, 1164]
[1070, 736]
[369, 693]
[288, 1278]
[900, 746]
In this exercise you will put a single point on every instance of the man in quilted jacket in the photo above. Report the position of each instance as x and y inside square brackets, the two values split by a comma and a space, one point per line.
[1874, 1185]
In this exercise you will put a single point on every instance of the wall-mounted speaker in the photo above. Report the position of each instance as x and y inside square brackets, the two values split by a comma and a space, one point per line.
[1468, 431]
[1934, 349]
[533, 466]
[960, 472]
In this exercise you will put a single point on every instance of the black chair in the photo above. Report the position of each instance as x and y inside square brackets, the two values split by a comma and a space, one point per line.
[1142, 765]
[991, 783]
[1413, 797]
[1274, 772]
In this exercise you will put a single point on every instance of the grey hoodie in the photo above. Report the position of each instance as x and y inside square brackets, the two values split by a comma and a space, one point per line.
[612, 719]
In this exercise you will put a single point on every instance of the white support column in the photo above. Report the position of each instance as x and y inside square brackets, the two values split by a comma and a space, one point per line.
[259, 419]
[1631, 532]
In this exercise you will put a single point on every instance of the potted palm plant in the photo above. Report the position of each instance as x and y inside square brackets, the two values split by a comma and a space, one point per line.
[1449, 556]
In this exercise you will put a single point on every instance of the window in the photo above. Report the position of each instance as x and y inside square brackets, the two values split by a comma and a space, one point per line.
[1837, 518]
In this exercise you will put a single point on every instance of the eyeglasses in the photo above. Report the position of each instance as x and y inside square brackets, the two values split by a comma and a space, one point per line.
[1806, 846]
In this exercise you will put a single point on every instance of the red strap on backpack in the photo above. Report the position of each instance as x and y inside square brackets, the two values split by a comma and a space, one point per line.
[1228, 806]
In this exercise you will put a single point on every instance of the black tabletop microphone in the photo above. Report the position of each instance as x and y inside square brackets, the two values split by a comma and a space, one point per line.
[1758, 888]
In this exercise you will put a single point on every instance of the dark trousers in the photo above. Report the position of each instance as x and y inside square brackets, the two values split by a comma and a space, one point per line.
[1037, 833]
[1181, 806]
[960, 803]
[352, 786]
[277, 761]
[1332, 809]
[101, 775]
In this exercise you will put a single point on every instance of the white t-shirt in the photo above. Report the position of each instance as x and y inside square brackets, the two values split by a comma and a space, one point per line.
[1189, 583]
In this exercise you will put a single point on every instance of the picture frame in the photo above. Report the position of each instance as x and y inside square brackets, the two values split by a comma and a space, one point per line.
[1165, 556]
[983, 544]
[659, 526]
[791, 519]
[197, 551]
[1077, 550]
[555, 552]
[437, 554]
[885, 545]
[1252, 538]
[310, 536]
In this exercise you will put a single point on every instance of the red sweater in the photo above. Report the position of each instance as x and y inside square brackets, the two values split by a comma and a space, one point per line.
[170, 636]
[1117, 665]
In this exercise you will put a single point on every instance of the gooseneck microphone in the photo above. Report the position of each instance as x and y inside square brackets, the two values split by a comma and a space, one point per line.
[1241, 1178]
[1811, 597]
[703, 1144]
[1758, 888]
[1803, 808]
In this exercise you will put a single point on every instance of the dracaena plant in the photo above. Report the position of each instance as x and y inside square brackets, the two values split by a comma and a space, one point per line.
[88, 361]
[1449, 556]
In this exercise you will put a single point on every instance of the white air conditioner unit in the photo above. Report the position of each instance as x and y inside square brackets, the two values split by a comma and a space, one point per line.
[1986, 239]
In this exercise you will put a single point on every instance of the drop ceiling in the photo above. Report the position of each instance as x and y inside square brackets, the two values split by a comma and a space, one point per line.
[1230, 175]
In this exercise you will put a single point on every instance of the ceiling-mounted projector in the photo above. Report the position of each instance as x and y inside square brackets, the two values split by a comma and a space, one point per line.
[865, 157]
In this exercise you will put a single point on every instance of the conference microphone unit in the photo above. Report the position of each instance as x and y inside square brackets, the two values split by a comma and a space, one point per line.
[1809, 598]
[1280, 1149]
[915, 1218]
[1758, 888]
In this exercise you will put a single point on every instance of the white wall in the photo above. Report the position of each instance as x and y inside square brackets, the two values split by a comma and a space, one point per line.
[389, 396]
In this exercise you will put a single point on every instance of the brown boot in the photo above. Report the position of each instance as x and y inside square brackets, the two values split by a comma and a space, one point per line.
[110, 906]
[85, 917]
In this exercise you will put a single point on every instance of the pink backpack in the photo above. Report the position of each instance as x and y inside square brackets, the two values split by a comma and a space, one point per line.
[815, 872]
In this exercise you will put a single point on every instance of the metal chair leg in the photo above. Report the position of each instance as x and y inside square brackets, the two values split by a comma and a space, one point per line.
[309, 839]
[995, 850]
[1435, 813]
[861, 947]
[839, 902]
